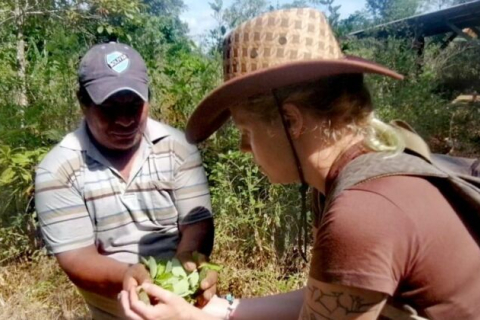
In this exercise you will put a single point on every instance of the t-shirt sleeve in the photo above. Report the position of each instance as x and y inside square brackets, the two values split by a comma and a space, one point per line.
[63, 217]
[192, 196]
[363, 241]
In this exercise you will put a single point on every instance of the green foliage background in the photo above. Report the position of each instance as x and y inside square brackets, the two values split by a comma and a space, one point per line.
[256, 222]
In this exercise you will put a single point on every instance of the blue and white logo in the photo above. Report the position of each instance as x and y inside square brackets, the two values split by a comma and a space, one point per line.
[117, 61]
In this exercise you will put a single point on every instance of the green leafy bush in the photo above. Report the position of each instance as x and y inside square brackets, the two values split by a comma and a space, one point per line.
[257, 221]
[18, 234]
[171, 276]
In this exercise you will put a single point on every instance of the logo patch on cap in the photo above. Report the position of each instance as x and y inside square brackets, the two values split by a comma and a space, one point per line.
[117, 61]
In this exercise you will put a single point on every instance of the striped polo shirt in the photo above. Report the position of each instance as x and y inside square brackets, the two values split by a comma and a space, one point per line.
[82, 200]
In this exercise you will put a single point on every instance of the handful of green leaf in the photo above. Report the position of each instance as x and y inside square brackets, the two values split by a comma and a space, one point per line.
[171, 276]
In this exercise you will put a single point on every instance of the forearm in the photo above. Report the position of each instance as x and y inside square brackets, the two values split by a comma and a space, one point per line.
[93, 272]
[285, 306]
[197, 237]
[198, 314]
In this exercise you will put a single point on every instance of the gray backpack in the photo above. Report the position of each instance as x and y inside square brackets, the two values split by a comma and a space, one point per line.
[457, 178]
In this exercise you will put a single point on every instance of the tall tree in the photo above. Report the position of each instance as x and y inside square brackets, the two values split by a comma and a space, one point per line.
[442, 4]
[389, 10]
[358, 20]
[165, 7]
[332, 10]
[242, 10]
[24, 19]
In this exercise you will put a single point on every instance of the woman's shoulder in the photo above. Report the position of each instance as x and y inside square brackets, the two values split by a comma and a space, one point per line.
[394, 208]
[408, 193]
[379, 203]
[382, 207]
[396, 185]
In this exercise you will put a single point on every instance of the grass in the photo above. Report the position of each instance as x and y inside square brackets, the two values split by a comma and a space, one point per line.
[38, 289]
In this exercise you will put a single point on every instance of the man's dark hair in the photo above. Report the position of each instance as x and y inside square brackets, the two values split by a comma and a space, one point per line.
[84, 97]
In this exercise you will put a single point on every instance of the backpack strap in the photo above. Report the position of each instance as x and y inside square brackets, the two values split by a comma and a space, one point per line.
[413, 142]
[461, 173]
[376, 165]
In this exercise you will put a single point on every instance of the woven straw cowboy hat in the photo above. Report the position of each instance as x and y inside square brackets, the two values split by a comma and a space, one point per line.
[277, 49]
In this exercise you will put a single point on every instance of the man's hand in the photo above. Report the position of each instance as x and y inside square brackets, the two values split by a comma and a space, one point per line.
[134, 276]
[209, 284]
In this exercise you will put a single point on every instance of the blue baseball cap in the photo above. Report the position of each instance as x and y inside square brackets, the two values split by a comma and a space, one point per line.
[112, 67]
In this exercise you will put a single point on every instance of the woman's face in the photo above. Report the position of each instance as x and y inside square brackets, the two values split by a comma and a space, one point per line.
[268, 144]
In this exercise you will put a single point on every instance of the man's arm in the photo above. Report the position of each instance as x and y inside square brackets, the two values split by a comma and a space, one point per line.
[192, 200]
[197, 236]
[330, 301]
[93, 272]
[68, 232]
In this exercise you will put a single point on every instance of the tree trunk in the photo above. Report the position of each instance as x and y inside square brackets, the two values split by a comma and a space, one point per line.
[21, 95]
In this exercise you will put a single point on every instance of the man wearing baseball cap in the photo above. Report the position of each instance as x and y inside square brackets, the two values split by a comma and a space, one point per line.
[122, 186]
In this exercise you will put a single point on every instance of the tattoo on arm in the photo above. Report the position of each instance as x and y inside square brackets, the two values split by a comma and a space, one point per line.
[333, 304]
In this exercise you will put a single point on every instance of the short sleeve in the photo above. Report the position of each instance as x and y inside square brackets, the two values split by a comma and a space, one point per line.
[64, 220]
[363, 241]
[192, 196]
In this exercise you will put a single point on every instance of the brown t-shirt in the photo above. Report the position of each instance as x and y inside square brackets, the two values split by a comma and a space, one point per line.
[400, 236]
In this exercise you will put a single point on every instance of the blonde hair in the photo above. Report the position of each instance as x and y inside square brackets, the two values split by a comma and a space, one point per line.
[342, 104]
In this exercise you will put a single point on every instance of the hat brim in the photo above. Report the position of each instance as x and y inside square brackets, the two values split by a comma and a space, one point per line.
[213, 111]
[104, 88]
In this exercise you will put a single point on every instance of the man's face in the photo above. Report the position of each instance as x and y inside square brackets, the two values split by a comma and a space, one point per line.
[119, 122]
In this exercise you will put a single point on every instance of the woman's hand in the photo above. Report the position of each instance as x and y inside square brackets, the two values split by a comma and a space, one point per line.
[166, 305]
[218, 307]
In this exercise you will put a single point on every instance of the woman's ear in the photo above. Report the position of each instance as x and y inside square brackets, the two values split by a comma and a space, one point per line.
[294, 119]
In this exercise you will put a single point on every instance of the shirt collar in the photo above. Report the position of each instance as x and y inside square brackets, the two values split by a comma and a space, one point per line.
[341, 162]
[155, 130]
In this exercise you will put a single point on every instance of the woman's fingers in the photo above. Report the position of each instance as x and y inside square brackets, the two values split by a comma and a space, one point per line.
[124, 300]
[167, 306]
[161, 296]
[157, 292]
[139, 307]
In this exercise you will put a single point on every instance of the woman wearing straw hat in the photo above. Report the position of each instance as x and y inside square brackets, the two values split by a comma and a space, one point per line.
[304, 113]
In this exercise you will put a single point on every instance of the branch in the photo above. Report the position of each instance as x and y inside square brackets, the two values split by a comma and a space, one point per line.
[4, 21]
[43, 12]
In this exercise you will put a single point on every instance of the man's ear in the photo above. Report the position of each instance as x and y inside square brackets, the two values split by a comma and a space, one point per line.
[79, 99]
[294, 119]
[83, 108]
